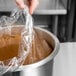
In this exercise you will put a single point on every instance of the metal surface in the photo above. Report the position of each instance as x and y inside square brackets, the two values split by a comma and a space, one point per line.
[70, 18]
[55, 26]
[45, 66]
[75, 32]
[49, 8]
[65, 61]
[44, 70]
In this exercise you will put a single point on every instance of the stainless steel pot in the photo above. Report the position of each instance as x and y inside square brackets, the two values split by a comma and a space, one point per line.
[43, 67]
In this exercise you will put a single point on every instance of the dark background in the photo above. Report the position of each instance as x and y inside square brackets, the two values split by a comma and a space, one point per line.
[66, 24]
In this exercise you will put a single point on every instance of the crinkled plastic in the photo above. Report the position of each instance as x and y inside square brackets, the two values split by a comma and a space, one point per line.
[15, 40]
[40, 49]
[19, 42]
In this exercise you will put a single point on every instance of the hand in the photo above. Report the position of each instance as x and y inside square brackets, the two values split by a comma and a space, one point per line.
[32, 4]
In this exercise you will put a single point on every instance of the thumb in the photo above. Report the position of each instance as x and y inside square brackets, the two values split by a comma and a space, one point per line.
[33, 6]
[20, 3]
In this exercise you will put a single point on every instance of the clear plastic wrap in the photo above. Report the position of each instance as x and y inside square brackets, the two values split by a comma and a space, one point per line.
[15, 40]
[20, 44]
[40, 49]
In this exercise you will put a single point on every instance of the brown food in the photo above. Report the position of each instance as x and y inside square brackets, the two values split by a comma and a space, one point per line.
[40, 49]
[9, 46]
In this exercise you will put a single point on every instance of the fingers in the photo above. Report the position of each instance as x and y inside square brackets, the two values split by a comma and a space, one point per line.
[20, 3]
[33, 5]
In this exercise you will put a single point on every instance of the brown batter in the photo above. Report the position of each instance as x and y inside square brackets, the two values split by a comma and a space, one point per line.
[9, 47]
[40, 49]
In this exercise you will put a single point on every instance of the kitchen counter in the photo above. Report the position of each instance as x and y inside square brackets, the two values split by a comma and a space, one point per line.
[65, 61]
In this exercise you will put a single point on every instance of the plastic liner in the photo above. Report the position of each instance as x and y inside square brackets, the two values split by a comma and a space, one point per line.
[40, 49]
[15, 40]
[20, 44]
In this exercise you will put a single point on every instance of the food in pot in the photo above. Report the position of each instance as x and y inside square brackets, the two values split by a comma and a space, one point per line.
[9, 48]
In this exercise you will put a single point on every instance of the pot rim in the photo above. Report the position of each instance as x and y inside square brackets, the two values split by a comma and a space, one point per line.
[48, 58]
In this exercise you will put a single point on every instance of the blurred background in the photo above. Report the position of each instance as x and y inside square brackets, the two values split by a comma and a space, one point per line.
[57, 16]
